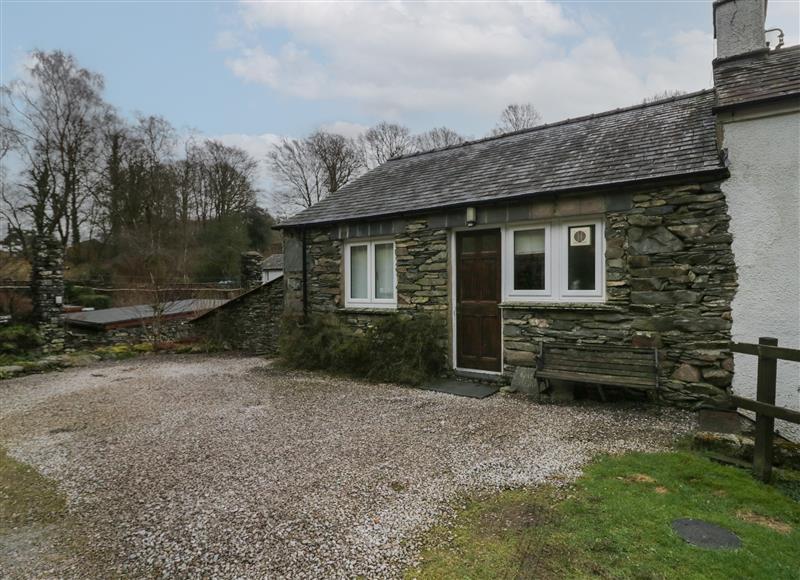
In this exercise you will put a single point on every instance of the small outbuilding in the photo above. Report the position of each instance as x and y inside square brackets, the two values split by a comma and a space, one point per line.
[131, 324]
[272, 268]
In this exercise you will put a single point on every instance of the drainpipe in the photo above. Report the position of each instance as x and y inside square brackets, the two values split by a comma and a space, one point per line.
[305, 275]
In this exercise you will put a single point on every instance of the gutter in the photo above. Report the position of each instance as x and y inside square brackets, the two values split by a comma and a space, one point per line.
[755, 102]
[694, 176]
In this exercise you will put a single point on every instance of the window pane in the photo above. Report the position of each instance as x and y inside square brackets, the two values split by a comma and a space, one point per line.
[384, 271]
[529, 260]
[581, 258]
[358, 272]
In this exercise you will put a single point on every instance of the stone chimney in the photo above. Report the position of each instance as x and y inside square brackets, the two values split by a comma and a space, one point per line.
[251, 270]
[739, 26]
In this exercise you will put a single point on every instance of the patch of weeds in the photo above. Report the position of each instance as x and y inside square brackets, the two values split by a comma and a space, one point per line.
[13, 359]
[767, 522]
[143, 347]
[615, 520]
[26, 497]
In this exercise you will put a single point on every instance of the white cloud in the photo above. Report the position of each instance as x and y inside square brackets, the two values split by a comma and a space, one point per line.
[227, 40]
[345, 128]
[390, 58]
[258, 146]
[785, 14]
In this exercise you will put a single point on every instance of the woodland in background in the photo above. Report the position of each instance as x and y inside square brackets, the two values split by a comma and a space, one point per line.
[129, 200]
[137, 204]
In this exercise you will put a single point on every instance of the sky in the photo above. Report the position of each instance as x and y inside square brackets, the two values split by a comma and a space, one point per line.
[249, 72]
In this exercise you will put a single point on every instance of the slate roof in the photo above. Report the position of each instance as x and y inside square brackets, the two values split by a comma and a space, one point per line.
[273, 262]
[668, 138]
[764, 75]
[141, 312]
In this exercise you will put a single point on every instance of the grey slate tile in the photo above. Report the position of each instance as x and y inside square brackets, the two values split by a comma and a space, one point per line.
[663, 139]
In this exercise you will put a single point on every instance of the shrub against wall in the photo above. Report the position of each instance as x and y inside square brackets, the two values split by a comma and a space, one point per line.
[395, 349]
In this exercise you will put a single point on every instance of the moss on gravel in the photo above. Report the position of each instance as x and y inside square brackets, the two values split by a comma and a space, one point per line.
[27, 497]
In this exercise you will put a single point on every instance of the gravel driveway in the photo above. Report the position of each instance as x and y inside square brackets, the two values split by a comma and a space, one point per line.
[224, 466]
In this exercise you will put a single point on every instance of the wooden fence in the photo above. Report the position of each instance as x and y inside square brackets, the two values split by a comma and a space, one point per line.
[768, 353]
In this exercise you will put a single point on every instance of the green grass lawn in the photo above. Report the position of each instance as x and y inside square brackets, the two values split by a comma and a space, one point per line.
[615, 522]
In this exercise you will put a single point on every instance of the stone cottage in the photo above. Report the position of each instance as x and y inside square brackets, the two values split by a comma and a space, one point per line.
[609, 229]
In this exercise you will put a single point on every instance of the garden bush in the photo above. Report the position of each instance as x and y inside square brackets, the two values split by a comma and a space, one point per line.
[18, 339]
[396, 348]
[96, 301]
[85, 296]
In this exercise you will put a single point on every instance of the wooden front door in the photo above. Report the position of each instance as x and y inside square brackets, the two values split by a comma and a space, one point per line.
[478, 328]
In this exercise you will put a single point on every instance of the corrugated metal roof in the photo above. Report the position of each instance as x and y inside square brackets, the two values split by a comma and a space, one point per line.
[140, 312]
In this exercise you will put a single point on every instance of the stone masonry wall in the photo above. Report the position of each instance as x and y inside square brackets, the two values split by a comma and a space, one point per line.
[47, 292]
[670, 279]
[250, 323]
[670, 282]
[171, 330]
[421, 255]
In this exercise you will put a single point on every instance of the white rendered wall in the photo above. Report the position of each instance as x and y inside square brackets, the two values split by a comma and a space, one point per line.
[270, 275]
[763, 195]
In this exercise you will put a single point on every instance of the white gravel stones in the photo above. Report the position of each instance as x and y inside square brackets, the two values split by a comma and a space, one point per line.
[227, 467]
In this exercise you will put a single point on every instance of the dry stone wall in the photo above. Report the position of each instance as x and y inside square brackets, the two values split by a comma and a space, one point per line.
[171, 330]
[250, 323]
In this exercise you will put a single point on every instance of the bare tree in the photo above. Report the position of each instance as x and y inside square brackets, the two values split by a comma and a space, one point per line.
[307, 170]
[15, 209]
[299, 174]
[661, 95]
[52, 121]
[384, 141]
[516, 117]
[229, 175]
[437, 138]
[339, 156]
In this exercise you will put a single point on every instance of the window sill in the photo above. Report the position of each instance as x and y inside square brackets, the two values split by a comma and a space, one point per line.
[368, 309]
[580, 306]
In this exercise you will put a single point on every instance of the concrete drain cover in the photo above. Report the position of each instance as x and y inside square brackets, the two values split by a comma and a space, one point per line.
[706, 535]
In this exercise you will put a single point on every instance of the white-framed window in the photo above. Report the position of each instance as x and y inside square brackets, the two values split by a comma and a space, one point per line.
[370, 274]
[559, 261]
[529, 257]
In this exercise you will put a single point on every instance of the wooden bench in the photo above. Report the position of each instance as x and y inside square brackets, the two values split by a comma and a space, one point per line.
[601, 365]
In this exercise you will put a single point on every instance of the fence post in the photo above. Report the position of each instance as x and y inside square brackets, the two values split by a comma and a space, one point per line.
[765, 426]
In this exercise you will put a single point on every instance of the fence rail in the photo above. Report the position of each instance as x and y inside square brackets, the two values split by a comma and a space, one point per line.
[768, 353]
